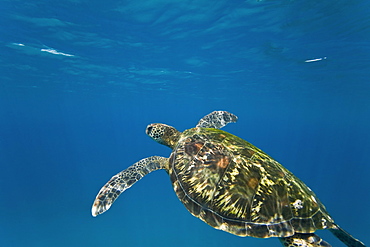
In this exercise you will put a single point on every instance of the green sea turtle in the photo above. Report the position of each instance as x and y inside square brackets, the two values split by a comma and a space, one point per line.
[231, 185]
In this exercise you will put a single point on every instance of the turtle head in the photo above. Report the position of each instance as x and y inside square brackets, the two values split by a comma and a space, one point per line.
[163, 134]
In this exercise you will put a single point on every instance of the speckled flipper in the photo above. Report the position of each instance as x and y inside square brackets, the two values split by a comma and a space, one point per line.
[217, 120]
[124, 180]
[304, 240]
[345, 237]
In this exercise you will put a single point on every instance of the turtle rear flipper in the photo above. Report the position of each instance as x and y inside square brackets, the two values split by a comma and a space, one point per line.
[124, 180]
[217, 120]
[345, 237]
[304, 240]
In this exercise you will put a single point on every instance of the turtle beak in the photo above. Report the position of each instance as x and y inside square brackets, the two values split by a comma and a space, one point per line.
[149, 129]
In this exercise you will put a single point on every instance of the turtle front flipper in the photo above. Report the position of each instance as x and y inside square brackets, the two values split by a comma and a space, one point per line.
[304, 240]
[124, 180]
[217, 120]
[345, 237]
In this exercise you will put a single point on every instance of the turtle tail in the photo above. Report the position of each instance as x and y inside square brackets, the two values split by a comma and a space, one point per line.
[345, 237]
[124, 180]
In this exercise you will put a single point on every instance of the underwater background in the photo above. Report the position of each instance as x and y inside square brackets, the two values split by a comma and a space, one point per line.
[80, 80]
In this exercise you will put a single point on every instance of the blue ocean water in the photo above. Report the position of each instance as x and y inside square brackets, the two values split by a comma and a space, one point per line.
[80, 80]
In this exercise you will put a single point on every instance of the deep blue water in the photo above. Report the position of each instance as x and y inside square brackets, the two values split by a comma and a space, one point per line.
[80, 80]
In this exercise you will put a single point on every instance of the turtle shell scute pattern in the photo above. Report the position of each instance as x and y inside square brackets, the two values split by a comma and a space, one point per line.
[234, 186]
